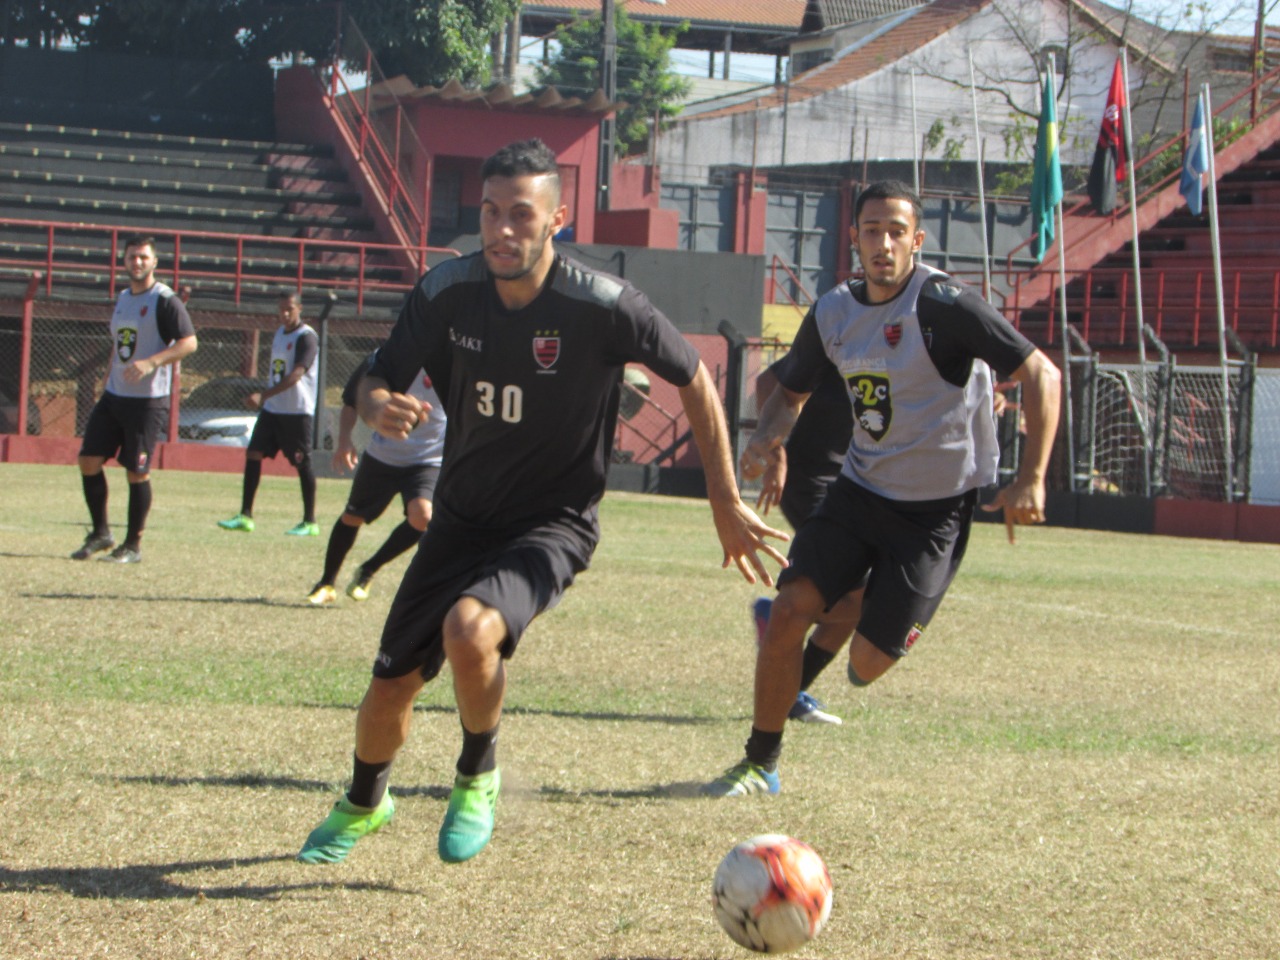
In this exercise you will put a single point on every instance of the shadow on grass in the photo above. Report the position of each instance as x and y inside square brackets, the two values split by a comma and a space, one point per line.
[95, 597]
[242, 780]
[151, 881]
[663, 718]
[678, 791]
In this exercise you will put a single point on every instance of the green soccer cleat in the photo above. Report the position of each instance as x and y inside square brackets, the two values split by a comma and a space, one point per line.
[468, 823]
[304, 529]
[358, 588]
[741, 779]
[333, 839]
[240, 521]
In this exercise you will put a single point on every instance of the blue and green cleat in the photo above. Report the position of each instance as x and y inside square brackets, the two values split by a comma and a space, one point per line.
[333, 839]
[741, 779]
[242, 522]
[304, 529]
[468, 823]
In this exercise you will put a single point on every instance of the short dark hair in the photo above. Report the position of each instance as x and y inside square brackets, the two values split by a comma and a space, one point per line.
[889, 190]
[293, 296]
[524, 158]
[140, 240]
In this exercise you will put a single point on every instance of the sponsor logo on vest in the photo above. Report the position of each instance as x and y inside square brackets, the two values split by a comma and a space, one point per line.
[546, 350]
[126, 343]
[872, 403]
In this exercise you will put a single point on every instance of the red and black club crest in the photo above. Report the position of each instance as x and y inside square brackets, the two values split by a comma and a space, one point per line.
[893, 332]
[546, 350]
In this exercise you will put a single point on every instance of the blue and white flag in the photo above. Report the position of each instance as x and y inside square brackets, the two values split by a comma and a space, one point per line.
[1195, 163]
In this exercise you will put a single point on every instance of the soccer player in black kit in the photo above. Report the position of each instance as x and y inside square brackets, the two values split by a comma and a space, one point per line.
[526, 348]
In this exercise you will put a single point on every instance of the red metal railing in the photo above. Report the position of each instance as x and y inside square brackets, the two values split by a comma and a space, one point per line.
[70, 254]
[1081, 211]
[396, 164]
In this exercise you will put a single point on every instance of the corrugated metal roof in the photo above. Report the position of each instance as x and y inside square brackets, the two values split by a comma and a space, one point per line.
[913, 32]
[784, 15]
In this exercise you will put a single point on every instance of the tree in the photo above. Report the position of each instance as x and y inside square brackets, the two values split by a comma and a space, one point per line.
[646, 84]
[430, 41]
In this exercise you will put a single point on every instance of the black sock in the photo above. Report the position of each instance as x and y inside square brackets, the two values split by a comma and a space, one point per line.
[307, 478]
[815, 661]
[252, 474]
[398, 541]
[139, 507]
[479, 752]
[764, 748]
[341, 541]
[95, 496]
[368, 783]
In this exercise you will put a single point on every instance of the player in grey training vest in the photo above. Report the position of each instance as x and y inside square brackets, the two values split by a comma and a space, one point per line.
[285, 420]
[150, 331]
[915, 349]
[408, 467]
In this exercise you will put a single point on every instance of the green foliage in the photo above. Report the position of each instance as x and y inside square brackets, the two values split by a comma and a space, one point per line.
[1225, 131]
[430, 41]
[936, 136]
[645, 82]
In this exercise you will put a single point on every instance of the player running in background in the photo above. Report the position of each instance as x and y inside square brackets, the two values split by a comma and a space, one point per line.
[150, 331]
[796, 480]
[916, 349]
[408, 467]
[526, 349]
[286, 417]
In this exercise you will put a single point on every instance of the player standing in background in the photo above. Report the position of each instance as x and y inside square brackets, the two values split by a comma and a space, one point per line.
[150, 331]
[796, 480]
[409, 467]
[526, 348]
[286, 417]
[916, 349]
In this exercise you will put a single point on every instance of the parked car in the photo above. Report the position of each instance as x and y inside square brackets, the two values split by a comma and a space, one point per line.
[216, 413]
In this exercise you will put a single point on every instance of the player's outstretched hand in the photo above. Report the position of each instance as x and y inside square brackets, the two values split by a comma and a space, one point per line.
[399, 415]
[742, 534]
[772, 481]
[345, 457]
[1022, 502]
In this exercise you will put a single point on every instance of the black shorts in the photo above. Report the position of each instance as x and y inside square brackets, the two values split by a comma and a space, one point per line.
[802, 493]
[130, 426]
[287, 433]
[376, 485]
[520, 576]
[906, 553]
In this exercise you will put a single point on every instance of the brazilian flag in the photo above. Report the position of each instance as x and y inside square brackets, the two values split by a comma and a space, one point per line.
[1046, 178]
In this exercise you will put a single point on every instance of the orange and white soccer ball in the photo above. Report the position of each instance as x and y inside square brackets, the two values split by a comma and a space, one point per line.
[772, 893]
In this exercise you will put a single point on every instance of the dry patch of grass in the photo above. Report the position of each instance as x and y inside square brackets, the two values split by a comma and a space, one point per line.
[1078, 760]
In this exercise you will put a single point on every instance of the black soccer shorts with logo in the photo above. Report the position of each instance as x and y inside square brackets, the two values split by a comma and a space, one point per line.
[905, 553]
[128, 426]
[287, 433]
[376, 484]
[519, 574]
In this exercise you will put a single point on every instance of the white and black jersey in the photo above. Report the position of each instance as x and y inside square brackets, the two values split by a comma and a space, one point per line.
[531, 395]
[299, 347]
[142, 325]
[918, 373]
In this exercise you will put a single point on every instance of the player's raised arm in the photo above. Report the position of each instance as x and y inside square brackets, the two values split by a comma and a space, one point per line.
[741, 532]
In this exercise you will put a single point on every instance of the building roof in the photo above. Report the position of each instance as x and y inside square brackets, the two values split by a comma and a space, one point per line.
[823, 14]
[899, 37]
[782, 16]
[541, 100]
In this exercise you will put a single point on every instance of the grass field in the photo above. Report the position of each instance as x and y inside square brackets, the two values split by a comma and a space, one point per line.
[1079, 760]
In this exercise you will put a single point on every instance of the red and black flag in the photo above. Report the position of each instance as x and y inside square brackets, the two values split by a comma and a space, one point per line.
[1109, 158]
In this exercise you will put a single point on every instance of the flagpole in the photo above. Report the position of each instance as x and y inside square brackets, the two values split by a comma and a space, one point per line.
[915, 138]
[1062, 304]
[1229, 465]
[982, 194]
[1137, 273]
